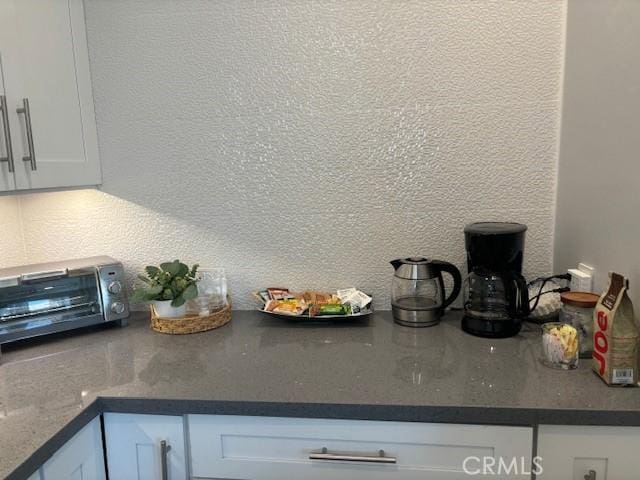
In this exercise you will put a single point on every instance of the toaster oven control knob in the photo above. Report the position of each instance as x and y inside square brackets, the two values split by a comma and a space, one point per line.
[115, 288]
[117, 308]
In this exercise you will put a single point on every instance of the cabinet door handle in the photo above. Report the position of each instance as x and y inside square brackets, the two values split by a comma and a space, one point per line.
[591, 475]
[31, 158]
[7, 133]
[164, 450]
[325, 454]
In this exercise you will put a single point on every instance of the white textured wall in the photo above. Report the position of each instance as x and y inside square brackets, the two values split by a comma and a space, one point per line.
[599, 179]
[307, 143]
[12, 248]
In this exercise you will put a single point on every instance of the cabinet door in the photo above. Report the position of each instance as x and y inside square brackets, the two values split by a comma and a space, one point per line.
[7, 181]
[46, 61]
[570, 452]
[81, 458]
[35, 476]
[264, 448]
[134, 450]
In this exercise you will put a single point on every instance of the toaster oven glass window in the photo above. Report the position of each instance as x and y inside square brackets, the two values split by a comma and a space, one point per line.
[47, 301]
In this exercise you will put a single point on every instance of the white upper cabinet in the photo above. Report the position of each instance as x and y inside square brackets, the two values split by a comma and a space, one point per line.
[47, 84]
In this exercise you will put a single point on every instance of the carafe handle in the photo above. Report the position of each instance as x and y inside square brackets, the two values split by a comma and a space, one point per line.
[457, 281]
[518, 297]
[523, 291]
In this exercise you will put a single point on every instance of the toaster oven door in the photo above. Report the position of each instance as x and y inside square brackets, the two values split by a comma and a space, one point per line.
[45, 302]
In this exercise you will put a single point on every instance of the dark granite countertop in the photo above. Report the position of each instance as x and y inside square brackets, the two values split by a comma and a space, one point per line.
[262, 366]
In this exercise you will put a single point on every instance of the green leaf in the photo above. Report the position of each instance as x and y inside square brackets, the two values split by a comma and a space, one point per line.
[190, 292]
[194, 270]
[171, 267]
[144, 279]
[154, 290]
[178, 301]
[183, 270]
[138, 295]
[152, 271]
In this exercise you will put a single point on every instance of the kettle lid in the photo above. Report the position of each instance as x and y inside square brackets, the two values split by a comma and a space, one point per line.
[415, 260]
[414, 268]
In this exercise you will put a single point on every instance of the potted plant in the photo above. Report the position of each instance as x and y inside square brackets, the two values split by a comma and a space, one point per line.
[168, 287]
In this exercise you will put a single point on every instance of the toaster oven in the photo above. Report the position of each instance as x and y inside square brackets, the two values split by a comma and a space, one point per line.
[52, 297]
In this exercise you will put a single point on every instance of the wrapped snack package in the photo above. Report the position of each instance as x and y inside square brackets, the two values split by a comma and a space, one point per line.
[357, 299]
[334, 309]
[287, 307]
[279, 294]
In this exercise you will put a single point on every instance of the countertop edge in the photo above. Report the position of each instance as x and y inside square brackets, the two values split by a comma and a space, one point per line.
[504, 416]
[48, 448]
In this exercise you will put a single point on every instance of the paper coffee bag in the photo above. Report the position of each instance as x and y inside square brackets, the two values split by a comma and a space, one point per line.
[615, 335]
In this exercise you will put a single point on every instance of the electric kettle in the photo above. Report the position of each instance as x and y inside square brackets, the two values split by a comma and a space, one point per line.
[417, 291]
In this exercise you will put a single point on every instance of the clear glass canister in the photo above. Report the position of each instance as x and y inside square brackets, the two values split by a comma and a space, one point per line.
[577, 310]
[560, 345]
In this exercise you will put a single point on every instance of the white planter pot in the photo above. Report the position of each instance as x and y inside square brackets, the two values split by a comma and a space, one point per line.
[165, 310]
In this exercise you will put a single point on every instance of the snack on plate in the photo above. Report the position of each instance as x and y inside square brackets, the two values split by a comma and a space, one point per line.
[344, 302]
[334, 309]
[287, 307]
[355, 298]
[262, 295]
[279, 294]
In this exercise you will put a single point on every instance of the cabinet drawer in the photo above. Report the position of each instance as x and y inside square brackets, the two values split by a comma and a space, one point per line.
[265, 448]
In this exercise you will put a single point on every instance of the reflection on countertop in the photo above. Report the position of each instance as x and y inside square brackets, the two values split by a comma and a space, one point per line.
[46, 382]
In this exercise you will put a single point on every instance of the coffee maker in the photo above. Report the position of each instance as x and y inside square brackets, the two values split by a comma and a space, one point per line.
[496, 298]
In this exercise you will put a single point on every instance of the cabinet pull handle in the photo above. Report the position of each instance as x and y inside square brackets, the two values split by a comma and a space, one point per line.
[591, 475]
[31, 158]
[164, 450]
[7, 133]
[325, 454]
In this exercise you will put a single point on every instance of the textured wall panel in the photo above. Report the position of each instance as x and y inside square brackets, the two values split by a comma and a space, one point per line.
[12, 249]
[307, 143]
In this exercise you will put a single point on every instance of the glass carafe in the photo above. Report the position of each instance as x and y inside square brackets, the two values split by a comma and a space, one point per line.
[485, 296]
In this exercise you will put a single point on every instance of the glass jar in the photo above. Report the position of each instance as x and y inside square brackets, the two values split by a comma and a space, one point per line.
[577, 310]
[560, 345]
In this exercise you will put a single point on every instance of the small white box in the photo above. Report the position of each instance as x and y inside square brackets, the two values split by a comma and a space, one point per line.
[580, 280]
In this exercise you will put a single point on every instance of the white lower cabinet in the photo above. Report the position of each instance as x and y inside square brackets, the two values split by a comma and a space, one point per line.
[571, 452]
[81, 458]
[139, 446]
[267, 448]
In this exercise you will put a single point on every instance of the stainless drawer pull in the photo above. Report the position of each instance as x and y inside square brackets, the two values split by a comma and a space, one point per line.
[7, 133]
[164, 450]
[31, 158]
[35, 276]
[325, 454]
[591, 475]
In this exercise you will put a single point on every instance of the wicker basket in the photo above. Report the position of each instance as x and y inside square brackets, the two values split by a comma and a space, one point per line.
[190, 323]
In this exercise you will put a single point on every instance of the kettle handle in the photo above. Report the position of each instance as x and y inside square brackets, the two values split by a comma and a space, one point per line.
[457, 280]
